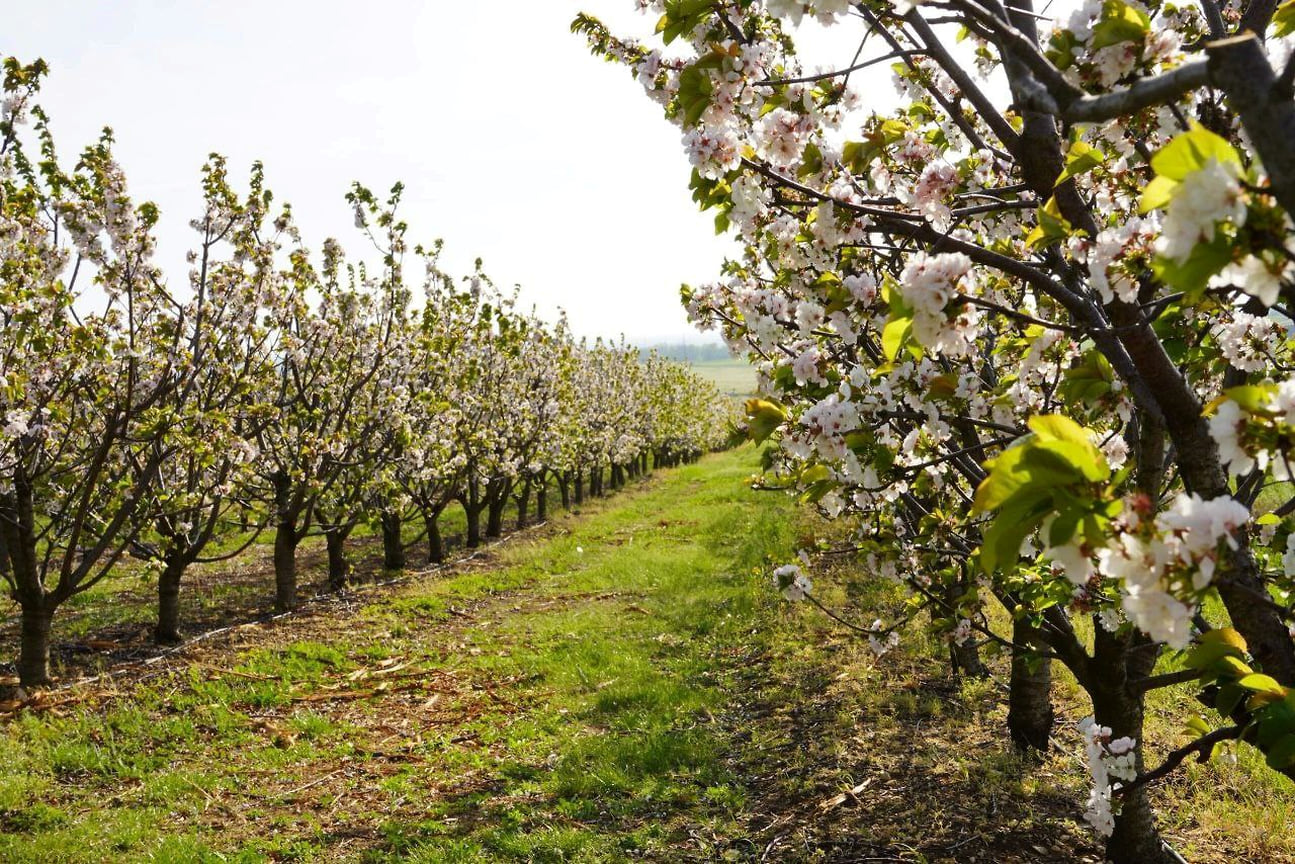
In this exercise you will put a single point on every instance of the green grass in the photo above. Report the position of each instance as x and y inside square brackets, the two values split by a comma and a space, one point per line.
[571, 722]
[621, 685]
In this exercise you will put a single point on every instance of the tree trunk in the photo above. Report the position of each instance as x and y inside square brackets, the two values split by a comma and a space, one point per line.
[167, 631]
[496, 503]
[580, 487]
[965, 658]
[285, 566]
[33, 653]
[393, 550]
[1029, 695]
[524, 504]
[338, 567]
[472, 510]
[542, 501]
[564, 489]
[1136, 839]
[436, 546]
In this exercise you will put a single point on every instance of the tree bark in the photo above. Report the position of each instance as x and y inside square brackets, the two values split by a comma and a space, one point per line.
[1136, 839]
[167, 631]
[33, 652]
[496, 502]
[524, 504]
[435, 545]
[285, 565]
[1029, 694]
[472, 510]
[564, 489]
[579, 486]
[393, 550]
[965, 658]
[339, 568]
[542, 501]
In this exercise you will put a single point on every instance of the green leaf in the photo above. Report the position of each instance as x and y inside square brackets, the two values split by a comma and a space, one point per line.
[1051, 227]
[1055, 430]
[1191, 151]
[1193, 275]
[1284, 19]
[1252, 398]
[763, 417]
[1003, 480]
[1281, 755]
[695, 91]
[1064, 526]
[1225, 636]
[1003, 538]
[1158, 193]
[1081, 159]
[811, 162]
[1228, 698]
[1232, 667]
[1259, 683]
[1120, 22]
[894, 336]
[816, 491]
[814, 474]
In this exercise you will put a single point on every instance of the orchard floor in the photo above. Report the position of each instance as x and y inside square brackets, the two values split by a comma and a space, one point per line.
[622, 684]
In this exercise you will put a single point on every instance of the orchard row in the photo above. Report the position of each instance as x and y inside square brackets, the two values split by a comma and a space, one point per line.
[283, 394]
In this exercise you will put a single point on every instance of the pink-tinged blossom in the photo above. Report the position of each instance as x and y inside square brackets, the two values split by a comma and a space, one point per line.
[929, 284]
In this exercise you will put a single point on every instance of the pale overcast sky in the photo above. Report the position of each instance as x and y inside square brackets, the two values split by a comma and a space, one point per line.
[514, 143]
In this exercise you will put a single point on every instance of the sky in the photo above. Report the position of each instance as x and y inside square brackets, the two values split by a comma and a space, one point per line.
[515, 145]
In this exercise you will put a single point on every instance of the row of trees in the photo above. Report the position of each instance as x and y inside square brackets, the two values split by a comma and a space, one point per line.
[284, 391]
[1028, 334]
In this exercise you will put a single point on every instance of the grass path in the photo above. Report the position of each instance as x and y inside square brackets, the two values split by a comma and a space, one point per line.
[617, 685]
[550, 701]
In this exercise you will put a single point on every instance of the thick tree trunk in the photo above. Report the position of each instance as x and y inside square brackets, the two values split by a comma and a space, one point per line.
[338, 567]
[564, 489]
[33, 651]
[579, 487]
[393, 550]
[167, 631]
[435, 545]
[285, 566]
[542, 502]
[1029, 695]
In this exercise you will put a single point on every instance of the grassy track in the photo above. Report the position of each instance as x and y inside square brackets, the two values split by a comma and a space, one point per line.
[618, 685]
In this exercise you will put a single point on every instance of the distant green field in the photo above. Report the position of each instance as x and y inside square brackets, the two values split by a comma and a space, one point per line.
[732, 377]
